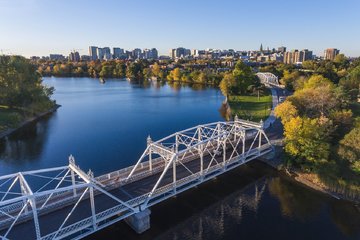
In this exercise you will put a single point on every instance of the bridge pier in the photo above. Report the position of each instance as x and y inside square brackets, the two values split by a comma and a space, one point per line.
[139, 222]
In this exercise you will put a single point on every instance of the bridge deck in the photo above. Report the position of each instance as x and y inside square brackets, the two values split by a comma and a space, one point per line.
[126, 192]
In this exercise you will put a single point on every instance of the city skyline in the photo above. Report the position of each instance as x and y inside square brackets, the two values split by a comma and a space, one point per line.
[41, 28]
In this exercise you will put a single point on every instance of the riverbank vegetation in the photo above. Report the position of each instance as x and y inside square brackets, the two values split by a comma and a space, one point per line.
[245, 95]
[139, 70]
[322, 124]
[22, 94]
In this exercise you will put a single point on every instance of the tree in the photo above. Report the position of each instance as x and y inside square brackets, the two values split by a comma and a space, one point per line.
[286, 111]
[342, 120]
[147, 73]
[351, 83]
[244, 77]
[314, 102]
[119, 70]
[133, 70]
[21, 85]
[341, 61]
[177, 74]
[155, 70]
[310, 65]
[318, 81]
[289, 78]
[202, 78]
[349, 149]
[226, 83]
[106, 71]
[307, 139]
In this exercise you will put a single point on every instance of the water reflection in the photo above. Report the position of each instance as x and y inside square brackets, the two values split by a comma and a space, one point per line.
[175, 85]
[27, 143]
[265, 205]
[294, 200]
[216, 220]
[303, 204]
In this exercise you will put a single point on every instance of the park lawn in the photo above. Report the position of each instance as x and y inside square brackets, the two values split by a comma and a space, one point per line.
[250, 107]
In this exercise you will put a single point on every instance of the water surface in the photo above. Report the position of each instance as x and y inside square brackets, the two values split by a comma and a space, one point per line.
[105, 127]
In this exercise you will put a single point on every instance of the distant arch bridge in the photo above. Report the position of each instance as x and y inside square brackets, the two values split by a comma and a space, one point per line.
[268, 78]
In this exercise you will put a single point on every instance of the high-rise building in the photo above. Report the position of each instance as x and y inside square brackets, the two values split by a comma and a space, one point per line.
[297, 56]
[107, 53]
[93, 52]
[136, 53]
[179, 52]
[172, 53]
[57, 57]
[150, 53]
[74, 57]
[282, 49]
[307, 55]
[330, 53]
[100, 53]
[118, 52]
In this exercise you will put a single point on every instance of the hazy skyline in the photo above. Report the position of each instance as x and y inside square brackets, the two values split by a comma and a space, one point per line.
[39, 27]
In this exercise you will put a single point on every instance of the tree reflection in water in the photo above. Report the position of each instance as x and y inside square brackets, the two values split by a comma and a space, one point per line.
[237, 213]
[297, 202]
[214, 221]
[25, 144]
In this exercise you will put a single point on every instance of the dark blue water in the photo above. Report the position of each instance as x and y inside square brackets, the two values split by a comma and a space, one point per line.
[105, 127]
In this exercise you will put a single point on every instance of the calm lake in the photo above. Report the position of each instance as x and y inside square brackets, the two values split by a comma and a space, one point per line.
[105, 127]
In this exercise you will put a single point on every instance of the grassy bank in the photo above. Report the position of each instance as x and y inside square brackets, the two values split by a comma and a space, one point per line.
[13, 118]
[10, 118]
[251, 107]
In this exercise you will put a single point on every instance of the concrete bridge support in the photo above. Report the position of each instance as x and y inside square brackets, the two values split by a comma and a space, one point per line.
[140, 221]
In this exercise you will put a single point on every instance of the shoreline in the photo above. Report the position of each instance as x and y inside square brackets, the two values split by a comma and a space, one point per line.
[37, 117]
[127, 79]
[275, 161]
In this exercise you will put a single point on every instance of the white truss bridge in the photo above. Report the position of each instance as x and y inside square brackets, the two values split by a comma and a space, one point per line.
[66, 202]
[268, 79]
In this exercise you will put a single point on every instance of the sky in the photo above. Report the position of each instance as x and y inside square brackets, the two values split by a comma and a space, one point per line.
[41, 27]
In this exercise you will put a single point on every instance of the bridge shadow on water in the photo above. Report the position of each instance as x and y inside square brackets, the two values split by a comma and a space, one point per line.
[250, 202]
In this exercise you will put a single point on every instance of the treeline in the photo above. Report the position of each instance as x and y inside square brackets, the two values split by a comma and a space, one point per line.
[342, 72]
[204, 73]
[321, 120]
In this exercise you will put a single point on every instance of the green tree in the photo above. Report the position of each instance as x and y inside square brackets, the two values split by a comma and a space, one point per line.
[21, 85]
[147, 73]
[351, 83]
[155, 70]
[349, 149]
[307, 139]
[226, 83]
[244, 77]
[289, 78]
[318, 81]
[106, 71]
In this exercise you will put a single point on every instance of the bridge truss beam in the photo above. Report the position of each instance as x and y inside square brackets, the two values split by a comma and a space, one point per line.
[82, 204]
[218, 146]
[268, 78]
[67, 188]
